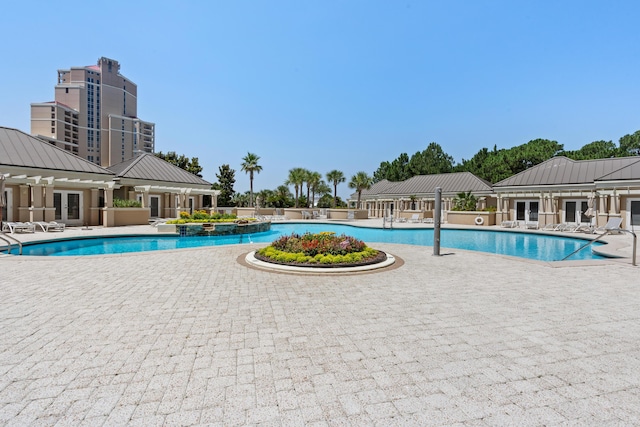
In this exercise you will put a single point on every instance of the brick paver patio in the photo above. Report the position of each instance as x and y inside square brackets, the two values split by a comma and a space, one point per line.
[193, 337]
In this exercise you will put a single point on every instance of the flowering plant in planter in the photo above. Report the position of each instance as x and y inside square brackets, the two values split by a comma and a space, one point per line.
[325, 248]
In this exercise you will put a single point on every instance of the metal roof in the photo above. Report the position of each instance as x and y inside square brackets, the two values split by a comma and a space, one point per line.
[149, 167]
[630, 172]
[562, 171]
[19, 149]
[449, 183]
[377, 188]
[421, 185]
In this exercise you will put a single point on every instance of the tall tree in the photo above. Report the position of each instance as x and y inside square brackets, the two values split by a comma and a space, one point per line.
[313, 180]
[296, 178]
[319, 188]
[630, 144]
[241, 200]
[594, 150]
[497, 165]
[250, 165]
[281, 197]
[335, 177]
[360, 182]
[183, 162]
[226, 178]
[432, 160]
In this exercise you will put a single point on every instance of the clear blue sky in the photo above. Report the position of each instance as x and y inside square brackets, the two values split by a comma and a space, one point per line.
[340, 84]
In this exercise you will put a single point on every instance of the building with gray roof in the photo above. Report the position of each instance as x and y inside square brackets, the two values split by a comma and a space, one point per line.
[417, 194]
[44, 182]
[563, 190]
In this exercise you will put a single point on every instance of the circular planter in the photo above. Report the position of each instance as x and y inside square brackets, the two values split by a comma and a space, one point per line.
[377, 264]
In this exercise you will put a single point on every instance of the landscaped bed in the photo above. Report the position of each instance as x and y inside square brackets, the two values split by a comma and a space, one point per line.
[324, 249]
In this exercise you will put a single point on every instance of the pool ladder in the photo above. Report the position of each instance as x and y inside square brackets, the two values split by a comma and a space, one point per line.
[617, 230]
[8, 239]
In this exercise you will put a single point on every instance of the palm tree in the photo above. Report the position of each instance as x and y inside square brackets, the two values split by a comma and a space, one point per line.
[250, 165]
[281, 197]
[313, 179]
[335, 177]
[296, 178]
[240, 200]
[320, 188]
[360, 181]
[465, 202]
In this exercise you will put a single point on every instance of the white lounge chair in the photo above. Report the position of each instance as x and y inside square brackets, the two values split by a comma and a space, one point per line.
[50, 226]
[428, 220]
[553, 227]
[415, 218]
[611, 226]
[306, 215]
[531, 225]
[586, 228]
[20, 227]
[509, 224]
[279, 215]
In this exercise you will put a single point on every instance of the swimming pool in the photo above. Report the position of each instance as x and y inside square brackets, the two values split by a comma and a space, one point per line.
[524, 245]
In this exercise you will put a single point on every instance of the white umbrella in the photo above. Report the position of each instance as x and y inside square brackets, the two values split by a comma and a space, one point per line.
[591, 204]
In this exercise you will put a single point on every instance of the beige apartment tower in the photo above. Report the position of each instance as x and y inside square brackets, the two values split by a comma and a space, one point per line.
[94, 115]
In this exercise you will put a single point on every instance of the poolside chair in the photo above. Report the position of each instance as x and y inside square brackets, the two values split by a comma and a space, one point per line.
[509, 224]
[50, 226]
[279, 215]
[428, 220]
[531, 225]
[415, 218]
[553, 227]
[611, 226]
[585, 228]
[20, 227]
[306, 215]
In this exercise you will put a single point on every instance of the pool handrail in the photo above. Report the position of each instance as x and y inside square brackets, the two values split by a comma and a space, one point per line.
[608, 231]
[7, 238]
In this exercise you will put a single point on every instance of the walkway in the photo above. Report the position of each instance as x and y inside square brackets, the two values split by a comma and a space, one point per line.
[193, 337]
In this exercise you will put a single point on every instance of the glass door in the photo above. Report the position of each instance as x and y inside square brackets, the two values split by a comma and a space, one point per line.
[527, 210]
[154, 202]
[68, 207]
[574, 212]
[634, 212]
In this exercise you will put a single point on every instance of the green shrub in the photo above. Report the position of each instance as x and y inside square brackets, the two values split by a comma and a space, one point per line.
[122, 203]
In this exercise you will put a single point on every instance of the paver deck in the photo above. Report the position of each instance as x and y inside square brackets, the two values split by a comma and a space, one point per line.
[193, 337]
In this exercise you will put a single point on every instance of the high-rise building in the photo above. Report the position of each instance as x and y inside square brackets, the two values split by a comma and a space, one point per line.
[94, 115]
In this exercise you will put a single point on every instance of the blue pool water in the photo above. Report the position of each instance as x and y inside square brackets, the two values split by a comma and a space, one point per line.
[525, 245]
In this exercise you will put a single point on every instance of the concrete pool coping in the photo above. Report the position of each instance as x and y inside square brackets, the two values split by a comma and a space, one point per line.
[618, 248]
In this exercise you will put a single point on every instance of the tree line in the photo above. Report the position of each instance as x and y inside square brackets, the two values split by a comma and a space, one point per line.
[495, 164]
[492, 165]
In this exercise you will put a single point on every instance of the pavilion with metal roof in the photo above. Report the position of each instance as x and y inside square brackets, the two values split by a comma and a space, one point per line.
[562, 190]
[417, 194]
[44, 182]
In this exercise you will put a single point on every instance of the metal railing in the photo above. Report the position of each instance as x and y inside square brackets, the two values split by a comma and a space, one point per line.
[617, 230]
[6, 238]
